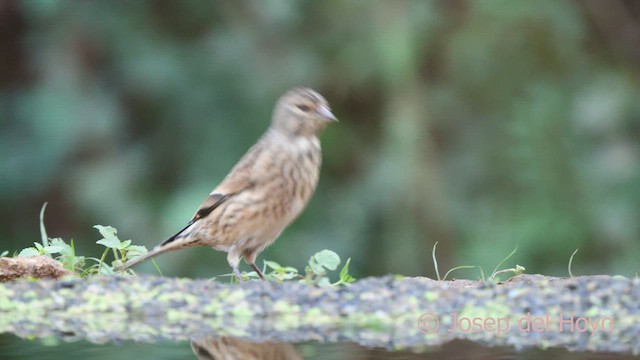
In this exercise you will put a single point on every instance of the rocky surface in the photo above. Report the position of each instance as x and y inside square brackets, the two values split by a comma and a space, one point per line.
[598, 313]
[40, 267]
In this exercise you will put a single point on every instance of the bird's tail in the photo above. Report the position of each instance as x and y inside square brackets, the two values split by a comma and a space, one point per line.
[177, 241]
[135, 261]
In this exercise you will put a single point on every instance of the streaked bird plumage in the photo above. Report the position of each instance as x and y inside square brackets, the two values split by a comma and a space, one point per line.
[265, 191]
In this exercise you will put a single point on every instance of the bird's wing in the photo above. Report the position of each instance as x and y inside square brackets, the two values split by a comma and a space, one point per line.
[241, 178]
[238, 180]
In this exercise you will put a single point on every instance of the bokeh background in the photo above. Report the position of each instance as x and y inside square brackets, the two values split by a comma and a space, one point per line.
[478, 124]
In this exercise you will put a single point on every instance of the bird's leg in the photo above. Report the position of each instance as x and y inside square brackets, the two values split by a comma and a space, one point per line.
[233, 258]
[255, 268]
[238, 275]
[249, 256]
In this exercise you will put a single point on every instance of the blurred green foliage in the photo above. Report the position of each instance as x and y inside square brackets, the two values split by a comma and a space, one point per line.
[479, 124]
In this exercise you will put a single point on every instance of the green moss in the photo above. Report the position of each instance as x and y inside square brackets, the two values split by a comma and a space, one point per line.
[316, 317]
[431, 296]
[242, 311]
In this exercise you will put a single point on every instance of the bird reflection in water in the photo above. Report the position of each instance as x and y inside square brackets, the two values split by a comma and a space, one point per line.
[230, 348]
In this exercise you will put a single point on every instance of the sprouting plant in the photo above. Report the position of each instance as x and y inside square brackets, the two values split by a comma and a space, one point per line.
[435, 265]
[515, 271]
[272, 271]
[68, 256]
[43, 248]
[59, 250]
[4, 253]
[344, 277]
[50, 247]
[570, 262]
[319, 263]
[122, 250]
[316, 271]
[435, 261]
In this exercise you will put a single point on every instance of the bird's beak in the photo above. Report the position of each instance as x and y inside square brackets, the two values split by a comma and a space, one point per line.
[326, 113]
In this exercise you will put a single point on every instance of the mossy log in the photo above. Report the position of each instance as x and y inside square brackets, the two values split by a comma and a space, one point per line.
[597, 313]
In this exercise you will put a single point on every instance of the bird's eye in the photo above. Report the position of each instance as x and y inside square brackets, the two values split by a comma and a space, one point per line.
[303, 107]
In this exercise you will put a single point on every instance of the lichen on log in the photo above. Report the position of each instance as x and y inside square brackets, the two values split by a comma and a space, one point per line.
[597, 313]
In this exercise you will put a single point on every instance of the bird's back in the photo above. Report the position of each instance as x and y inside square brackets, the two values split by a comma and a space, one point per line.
[278, 175]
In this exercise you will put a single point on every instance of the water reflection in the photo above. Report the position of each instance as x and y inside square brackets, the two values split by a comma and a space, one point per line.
[212, 348]
[229, 348]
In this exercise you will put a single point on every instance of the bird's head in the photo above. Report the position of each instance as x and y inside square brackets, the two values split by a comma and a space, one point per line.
[302, 112]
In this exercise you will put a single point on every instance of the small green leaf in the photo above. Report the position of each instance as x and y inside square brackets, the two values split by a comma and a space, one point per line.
[110, 243]
[116, 263]
[290, 269]
[39, 247]
[110, 237]
[348, 279]
[4, 253]
[249, 275]
[30, 251]
[324, 282]
[272, 264]
[107, 231]
[345, 268]
[53, 249]
[328, 259]
[287, 275]
[136, 250]
[125, 244]
[66, 249]
[345, 277]
[314, 267]
[106, 270]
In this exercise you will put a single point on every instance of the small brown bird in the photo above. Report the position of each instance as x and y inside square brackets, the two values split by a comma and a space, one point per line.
[265, 190]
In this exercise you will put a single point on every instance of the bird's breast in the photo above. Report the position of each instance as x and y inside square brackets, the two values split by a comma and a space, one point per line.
[299, 173]
[286, 177]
